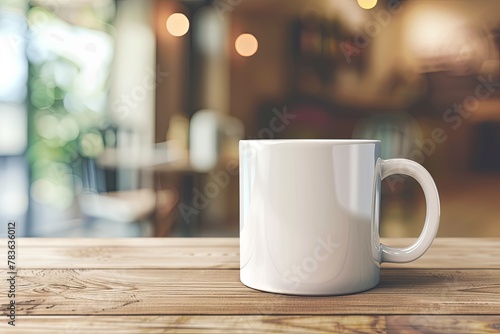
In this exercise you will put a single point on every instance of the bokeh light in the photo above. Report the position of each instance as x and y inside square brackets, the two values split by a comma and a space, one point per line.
[246, 45]
[367, 4]
[68, 129]
[177, 24]
[91, 144]
[43, 191]
[46, 126]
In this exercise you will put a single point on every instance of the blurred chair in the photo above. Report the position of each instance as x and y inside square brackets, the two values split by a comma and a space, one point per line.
[99, 204]
[140, 206]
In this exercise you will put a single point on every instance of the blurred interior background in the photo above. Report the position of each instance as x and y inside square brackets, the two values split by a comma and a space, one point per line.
[122, 118]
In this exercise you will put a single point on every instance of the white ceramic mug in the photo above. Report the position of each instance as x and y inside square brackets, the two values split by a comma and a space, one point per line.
[309, 215]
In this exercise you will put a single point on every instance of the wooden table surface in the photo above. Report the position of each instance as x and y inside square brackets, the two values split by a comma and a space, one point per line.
[192, 286]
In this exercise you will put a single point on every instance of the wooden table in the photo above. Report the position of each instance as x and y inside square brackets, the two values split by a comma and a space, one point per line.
[192, 286]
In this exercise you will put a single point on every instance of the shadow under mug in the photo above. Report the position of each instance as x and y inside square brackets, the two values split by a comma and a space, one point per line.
[309, 215]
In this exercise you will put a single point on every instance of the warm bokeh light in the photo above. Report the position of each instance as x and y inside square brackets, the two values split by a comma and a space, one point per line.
[177, 24]
[431, 33]
[367, 4]
[246, 45]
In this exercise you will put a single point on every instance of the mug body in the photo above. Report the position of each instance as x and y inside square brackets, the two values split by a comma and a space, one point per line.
[309, 215]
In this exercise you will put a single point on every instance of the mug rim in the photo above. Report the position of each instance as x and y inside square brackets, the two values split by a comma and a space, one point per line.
[315, 141]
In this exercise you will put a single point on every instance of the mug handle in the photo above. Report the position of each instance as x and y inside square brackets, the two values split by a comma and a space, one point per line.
[431, 225]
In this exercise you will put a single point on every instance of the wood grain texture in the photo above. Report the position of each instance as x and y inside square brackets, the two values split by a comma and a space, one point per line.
[203, 324]
[192, 286]
[123, 257]
[255, 324]
[419, 324]
[130, 242]
[222, 253]
[190, 292]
